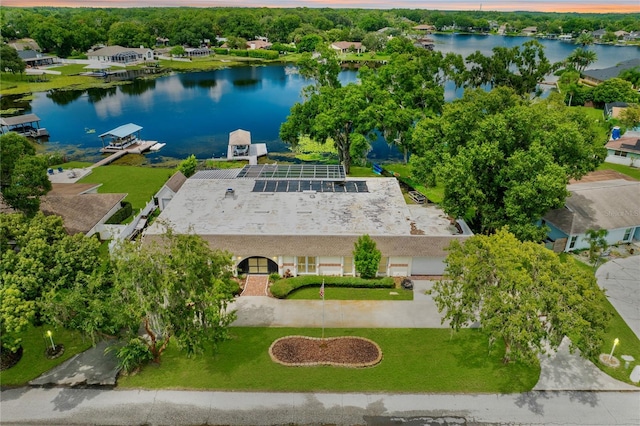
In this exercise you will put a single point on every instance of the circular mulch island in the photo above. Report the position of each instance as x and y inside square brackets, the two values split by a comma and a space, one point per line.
[53, 354]
[299, 351]
[9, 359]
[609, 361]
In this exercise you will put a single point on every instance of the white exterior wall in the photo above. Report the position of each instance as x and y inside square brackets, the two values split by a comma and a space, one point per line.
[427, 266]
[630, 160]
[330, 265]
[399, 266]
[615, 236]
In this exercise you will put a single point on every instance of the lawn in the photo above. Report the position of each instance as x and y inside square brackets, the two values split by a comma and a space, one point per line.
[339, 293]
[625, 170]
[140, 183]
[414, 360]
[34, 362]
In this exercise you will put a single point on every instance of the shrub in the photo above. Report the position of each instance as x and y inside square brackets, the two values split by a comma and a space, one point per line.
[238, 52]
[366, 257]
[282, 287]
[220, 50]
[264, 54]
[133, 355]
[274, 277]
[121, 215]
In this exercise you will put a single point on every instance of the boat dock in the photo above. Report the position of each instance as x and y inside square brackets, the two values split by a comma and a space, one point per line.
[241, 148]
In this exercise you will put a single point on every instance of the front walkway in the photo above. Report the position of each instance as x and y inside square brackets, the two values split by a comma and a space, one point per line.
[256, 285]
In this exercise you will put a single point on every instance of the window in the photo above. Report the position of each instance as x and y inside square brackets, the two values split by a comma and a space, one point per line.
[620, 153]
[347, 265]
[306, 264]
[572, 243]
[258, 265]
[627, 234]
[382, 269]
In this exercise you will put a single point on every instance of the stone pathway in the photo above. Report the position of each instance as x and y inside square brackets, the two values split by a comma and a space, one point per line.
[256, 285]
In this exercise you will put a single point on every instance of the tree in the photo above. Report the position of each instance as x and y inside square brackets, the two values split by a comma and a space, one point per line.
[10, 61]
[15, 315]
[366, 257]
[614, 90]
[177, 51]
[521, 294]
[585, 39]
[632, 75]
[308, 43]
[630, 116]
[504, 160]
[23, 175]
[374, 42]
[519, 67]
[597, 239]
[188, 166]
[581, 58]
[177, 289]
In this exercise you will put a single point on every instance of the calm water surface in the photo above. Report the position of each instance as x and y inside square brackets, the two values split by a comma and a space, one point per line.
[194, 112]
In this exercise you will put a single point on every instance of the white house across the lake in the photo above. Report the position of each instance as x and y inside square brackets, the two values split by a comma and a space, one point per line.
[305, 219]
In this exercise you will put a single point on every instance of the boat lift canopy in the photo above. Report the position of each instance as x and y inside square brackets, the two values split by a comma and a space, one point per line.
[122, 136]
[21, 124]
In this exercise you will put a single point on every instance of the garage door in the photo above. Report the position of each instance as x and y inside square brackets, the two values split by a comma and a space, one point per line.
[427, 266]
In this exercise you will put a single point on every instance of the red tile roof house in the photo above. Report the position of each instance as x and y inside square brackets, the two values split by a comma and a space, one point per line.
[625, 150]
[347, 46]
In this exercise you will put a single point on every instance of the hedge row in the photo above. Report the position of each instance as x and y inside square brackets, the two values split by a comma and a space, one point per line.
[118, 217]
[283, 287]
[264, 54]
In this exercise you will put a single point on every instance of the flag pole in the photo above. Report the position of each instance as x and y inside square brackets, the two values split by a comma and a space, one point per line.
[322, 294]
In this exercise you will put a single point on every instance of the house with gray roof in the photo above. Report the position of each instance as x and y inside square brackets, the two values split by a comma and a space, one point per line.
[624, 149]
[34, 58]
[123, 55]
[82, 209]
[307, 218]
[604, 74]
[613, 205]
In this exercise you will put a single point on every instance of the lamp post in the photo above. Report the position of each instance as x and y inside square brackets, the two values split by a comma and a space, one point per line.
[53, 346]
[615, 343]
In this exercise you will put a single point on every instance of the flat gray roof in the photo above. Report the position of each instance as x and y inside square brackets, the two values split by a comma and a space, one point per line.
[20, 119]
[231, 207]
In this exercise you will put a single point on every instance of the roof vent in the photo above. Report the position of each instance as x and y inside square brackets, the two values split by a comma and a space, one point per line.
[230, 192]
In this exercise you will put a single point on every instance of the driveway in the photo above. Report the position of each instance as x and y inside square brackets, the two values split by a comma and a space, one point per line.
[621, 280]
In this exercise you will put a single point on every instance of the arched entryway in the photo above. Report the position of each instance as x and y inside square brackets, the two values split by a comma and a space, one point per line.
[257, 265]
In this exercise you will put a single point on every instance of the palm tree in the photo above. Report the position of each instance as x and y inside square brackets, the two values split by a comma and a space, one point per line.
[585, 39]
[581, 58]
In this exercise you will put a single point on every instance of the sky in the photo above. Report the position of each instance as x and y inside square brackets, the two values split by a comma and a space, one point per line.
[597, 6]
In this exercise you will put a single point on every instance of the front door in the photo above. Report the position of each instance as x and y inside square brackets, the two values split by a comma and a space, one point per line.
[257, 265]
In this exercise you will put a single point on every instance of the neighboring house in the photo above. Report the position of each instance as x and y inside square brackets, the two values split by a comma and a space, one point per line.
[502, 30]
[625, 150]
[529, 31]
[196, 51]
[604, 74]
[82, 209]
[25, 44]
[169, 190]
[36, 59]
[123, 55]
[598, 34]
[613, 109]
[306, 219]
[621, 34]
[162, 41]
[425, 27]
[347, 46]
[424, 43]
[258, 44]
[613, 205]
[632, 36]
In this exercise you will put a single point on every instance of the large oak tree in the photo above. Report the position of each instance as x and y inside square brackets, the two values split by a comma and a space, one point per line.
[522, 295]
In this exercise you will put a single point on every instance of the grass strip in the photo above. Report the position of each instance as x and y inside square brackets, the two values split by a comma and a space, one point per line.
[414, 360]
[336, 293]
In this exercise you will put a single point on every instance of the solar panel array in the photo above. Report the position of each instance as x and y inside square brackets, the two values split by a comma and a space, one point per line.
[293, 171]
[294, 185]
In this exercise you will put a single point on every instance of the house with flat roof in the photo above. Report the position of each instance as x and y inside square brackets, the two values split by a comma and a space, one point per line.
[613, 205]
[305, 219]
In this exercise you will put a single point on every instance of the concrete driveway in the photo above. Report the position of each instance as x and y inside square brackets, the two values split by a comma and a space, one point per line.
[621, 280]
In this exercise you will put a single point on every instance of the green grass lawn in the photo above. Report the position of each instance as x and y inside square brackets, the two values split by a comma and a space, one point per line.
[340, 293]
[414, 360]
[625, 170]
[140, 183]
[34, 362]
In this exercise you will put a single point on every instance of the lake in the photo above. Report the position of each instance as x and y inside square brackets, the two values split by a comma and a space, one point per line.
[194, 112]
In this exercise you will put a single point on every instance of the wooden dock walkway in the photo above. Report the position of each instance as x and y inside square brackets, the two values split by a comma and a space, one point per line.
[138, 148]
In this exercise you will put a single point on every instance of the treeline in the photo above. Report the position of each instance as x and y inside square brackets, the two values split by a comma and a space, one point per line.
[70, 31]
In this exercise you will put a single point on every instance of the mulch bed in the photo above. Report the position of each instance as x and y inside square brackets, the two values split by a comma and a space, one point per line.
[298, 351]
[9, 359]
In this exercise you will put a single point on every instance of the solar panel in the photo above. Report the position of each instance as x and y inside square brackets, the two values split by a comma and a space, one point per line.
[294, 171]
[292, 185]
